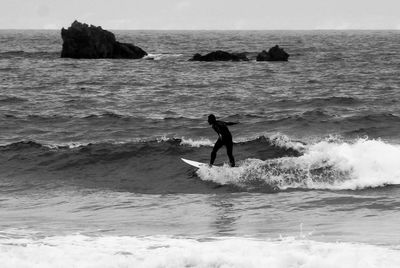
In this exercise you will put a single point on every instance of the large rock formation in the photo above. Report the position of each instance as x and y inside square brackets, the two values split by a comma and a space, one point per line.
[91, 42]
[220, 55]
[274, 54]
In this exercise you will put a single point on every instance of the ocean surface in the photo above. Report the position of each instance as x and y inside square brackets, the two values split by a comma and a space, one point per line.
[90, 168]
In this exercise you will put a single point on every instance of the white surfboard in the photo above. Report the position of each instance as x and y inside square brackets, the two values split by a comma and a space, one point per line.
[194, 163]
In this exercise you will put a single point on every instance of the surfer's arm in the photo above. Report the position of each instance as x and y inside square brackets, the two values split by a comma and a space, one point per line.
[231, 123]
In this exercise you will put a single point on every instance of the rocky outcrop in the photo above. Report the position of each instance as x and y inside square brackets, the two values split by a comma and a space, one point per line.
[220, 55]
[91, 42]
[274, 54]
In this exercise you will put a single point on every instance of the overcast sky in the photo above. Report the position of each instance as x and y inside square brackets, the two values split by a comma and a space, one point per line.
[202, 14]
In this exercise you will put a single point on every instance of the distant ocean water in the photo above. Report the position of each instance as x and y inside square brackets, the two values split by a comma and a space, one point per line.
[90, 169]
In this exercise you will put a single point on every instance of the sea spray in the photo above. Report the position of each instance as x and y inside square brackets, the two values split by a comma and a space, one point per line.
[324, 165]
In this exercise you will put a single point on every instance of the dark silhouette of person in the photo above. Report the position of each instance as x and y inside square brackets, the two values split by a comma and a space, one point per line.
[225, 138]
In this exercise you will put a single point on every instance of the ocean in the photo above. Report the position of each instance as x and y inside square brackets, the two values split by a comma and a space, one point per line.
[90, 168]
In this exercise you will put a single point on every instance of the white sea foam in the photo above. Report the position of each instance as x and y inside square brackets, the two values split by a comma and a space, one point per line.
[324, 165]
[152, 57]
[277, 139]
[70, 145]
[161, 56]
[197, 143]
[285, 142]
[112, 251]
[369, 163]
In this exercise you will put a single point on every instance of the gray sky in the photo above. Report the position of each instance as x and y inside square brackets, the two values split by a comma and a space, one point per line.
[202, 14]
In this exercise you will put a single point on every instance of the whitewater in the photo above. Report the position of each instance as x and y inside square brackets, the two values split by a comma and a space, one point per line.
[90, 152]
[324, 165]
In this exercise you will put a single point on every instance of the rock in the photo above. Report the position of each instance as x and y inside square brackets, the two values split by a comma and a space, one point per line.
[274, 54]
[91, 42]
[220, 55]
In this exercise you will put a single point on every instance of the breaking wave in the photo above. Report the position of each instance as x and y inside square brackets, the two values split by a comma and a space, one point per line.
[159, 251]
[334, 165]
[265, 164]
[144, 166]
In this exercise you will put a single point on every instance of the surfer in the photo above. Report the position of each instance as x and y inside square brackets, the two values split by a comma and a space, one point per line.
[225, 138]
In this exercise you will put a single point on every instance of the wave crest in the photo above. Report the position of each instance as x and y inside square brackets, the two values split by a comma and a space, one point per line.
[324, 165]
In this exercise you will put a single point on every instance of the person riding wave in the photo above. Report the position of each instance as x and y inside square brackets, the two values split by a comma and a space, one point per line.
[224, 138]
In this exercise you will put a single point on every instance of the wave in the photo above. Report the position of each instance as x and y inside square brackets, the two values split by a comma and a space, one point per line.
[99, 116]
[11, 99]
[29, 54]
[323, 102]
[277, 140]
[12, 52]
[105, 115]
[152, 166]
[265, 164]
[197, 143]
[44, 117]
[374, 118]
[373, 124]
[164, 251]
[335, 100]
[317, 120]
[325, 165]
[317, 113]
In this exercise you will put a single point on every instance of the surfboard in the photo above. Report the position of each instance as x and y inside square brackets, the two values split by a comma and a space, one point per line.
[199, 164]
[194, 163]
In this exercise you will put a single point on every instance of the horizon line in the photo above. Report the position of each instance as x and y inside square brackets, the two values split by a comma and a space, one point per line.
[294, 29]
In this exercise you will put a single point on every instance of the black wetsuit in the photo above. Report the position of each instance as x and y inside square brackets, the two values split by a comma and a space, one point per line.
[225, 138]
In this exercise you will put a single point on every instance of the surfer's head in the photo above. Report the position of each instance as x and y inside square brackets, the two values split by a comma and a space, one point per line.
[211, 119]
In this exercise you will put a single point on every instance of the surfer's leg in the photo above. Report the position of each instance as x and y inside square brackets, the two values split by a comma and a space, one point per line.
[217, 146]
[229, 149]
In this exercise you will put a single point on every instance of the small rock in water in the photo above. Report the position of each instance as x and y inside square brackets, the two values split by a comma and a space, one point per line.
[274, 54]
